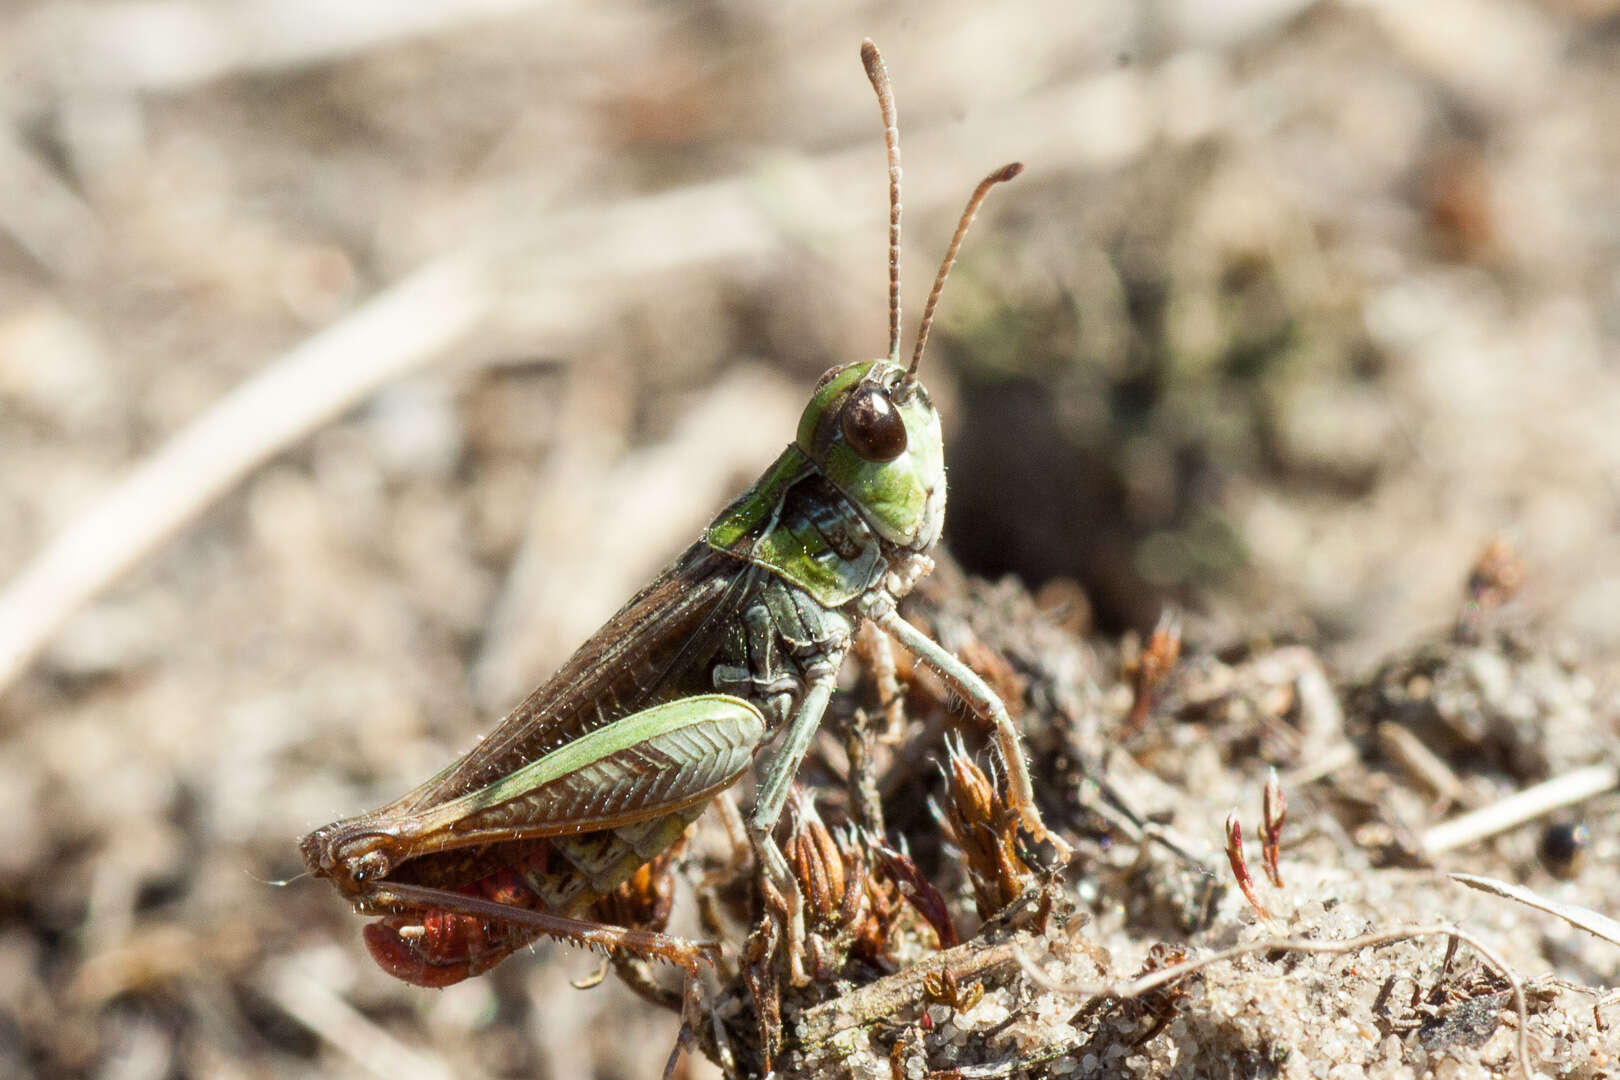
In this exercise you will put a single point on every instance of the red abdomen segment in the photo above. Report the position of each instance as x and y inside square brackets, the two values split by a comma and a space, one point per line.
[440, 948]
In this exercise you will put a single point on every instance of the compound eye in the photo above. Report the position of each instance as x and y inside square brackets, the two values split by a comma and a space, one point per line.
[872, 425]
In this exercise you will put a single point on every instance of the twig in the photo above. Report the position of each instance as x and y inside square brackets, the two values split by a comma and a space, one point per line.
[1112, 805]
[1164, 976]
[1582, 918]
[1404, 748]
[1321, 719]
[313, 383]
[1532, 802]
[893, 993]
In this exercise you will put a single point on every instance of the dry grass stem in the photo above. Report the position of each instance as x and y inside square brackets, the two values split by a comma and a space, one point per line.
[1572, 787]
[1592, 922]
[1422, 764]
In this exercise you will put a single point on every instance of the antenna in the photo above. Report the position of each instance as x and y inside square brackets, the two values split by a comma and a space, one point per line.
[1006, 172]
[878, 72]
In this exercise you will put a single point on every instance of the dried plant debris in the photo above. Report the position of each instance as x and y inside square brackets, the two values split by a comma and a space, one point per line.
[1080, 971]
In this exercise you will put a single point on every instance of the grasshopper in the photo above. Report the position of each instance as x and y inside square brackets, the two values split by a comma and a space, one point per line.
[602, 768]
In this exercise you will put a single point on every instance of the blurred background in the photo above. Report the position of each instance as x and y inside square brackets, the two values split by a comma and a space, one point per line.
[1297, 306]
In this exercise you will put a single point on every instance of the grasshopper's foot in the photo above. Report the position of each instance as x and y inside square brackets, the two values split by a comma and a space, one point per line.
[796, 948]
[786, 914]
[784, 904]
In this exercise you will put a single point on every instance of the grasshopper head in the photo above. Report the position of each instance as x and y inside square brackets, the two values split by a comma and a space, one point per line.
[874, 434]
[353, 859]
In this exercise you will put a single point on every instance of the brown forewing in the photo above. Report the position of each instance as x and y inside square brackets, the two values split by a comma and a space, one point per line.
[657, 648]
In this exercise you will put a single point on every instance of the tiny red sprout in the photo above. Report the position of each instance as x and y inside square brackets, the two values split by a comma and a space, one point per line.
[1275, 813]
[1240, 865]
